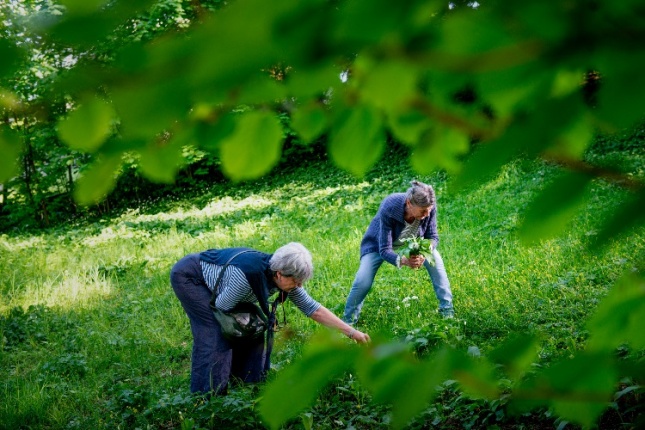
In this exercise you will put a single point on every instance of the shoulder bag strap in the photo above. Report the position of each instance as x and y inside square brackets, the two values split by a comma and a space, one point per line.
[270, 332]
[221, 275]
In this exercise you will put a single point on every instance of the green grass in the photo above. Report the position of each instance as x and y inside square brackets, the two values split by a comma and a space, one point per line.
[93, 336]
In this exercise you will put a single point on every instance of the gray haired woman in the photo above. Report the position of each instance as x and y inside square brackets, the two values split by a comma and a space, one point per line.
[214, 359]
[400, 216]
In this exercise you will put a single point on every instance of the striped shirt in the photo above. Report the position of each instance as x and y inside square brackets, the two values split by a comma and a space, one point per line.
[235, 288]
[409, 231]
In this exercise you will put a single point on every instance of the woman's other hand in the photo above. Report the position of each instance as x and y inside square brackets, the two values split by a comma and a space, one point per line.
[358, 336]
[414, 261]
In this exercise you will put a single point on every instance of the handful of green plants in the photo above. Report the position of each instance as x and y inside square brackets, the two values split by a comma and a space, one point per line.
[415, 246]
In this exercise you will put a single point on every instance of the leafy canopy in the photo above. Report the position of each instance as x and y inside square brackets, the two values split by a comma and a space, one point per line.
[532, 79]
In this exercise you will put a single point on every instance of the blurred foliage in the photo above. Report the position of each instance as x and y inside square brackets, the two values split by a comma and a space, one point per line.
[91, 90]
[142, 77]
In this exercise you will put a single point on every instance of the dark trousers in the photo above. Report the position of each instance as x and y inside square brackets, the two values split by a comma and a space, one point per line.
[214, 359]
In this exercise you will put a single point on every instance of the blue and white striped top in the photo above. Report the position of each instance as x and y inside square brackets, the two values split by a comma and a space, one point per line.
[235, 288]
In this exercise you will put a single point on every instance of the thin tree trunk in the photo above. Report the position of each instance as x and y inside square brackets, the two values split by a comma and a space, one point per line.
[38, 205]
[4, 197]
[70, 179]
[28, 169]
[70, 187]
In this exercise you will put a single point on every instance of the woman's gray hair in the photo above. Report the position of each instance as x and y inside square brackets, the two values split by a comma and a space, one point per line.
[293, 259]
[420, 194]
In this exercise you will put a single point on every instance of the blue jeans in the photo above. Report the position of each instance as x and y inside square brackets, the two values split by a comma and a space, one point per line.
[364, 279]
[214, 360]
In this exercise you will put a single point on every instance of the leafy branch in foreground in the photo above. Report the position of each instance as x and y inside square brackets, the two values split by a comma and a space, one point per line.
[413, 62]
[577, 389]
[430, 76]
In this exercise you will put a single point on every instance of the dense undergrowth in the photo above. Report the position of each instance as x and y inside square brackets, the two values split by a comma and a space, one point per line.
[93, 337]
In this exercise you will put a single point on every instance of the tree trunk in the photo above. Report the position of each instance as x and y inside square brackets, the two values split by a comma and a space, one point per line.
[70, 179]
[28, 170]
[4, 197]
[38, 205]
[70, 187]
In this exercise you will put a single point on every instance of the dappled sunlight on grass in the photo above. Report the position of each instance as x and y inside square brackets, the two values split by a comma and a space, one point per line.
[66, 292]
[288, 195]
[19, 244]
[112, 324]
[74, 292]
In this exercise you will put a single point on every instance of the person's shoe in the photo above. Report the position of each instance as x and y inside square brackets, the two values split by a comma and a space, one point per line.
[447, 313]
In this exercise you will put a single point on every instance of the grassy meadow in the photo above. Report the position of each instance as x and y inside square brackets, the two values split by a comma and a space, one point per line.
[92, 335]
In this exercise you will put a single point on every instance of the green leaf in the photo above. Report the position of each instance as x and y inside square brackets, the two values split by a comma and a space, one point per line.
[263, 89]
[210, 135]
[381, 368]
[573, 140]
[394, 376]
[309, 122]
[543, 20]
[619, 317]
[489, 157]
[253, 148]
[307, 421]
[300, 31]
[471, 32]
[516, 355]
[371, 22]
[621, 97]
[87, 127]
[408, 126]
[323, 360]
[146, 110]
[377, 89]
[357, 140]
[440, 148]
[242, 50]
[160, 161]
[314, 81]
[622, 220]
[551, 211]
[511, 88]
[416, 389]
[567, 81]
[486, 159]
[578, 389]
[476, 377]
[10, 148]
[98, 180]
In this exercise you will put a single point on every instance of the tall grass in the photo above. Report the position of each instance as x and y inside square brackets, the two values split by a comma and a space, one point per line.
[93, 337]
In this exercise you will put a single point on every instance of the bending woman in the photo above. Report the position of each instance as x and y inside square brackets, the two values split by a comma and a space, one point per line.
[214, 359]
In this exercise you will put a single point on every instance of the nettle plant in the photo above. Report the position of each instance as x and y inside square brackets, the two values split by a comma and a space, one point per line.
[417, 246]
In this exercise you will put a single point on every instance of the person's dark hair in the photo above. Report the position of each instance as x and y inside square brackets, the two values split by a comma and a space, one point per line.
[420, 194]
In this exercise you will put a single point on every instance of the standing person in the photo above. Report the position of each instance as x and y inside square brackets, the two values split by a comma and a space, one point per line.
[214, 359]
[400, 216]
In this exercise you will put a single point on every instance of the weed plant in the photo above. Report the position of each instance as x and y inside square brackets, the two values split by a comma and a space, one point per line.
[92, 335]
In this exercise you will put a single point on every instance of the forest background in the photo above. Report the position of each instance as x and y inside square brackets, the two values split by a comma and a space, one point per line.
[123, 126]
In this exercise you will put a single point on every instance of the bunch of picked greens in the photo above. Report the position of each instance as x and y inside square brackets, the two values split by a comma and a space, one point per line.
[417, 245]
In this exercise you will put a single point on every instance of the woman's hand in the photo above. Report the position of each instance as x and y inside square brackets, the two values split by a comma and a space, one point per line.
[325, 317]
[358, 336]
[414, 262]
